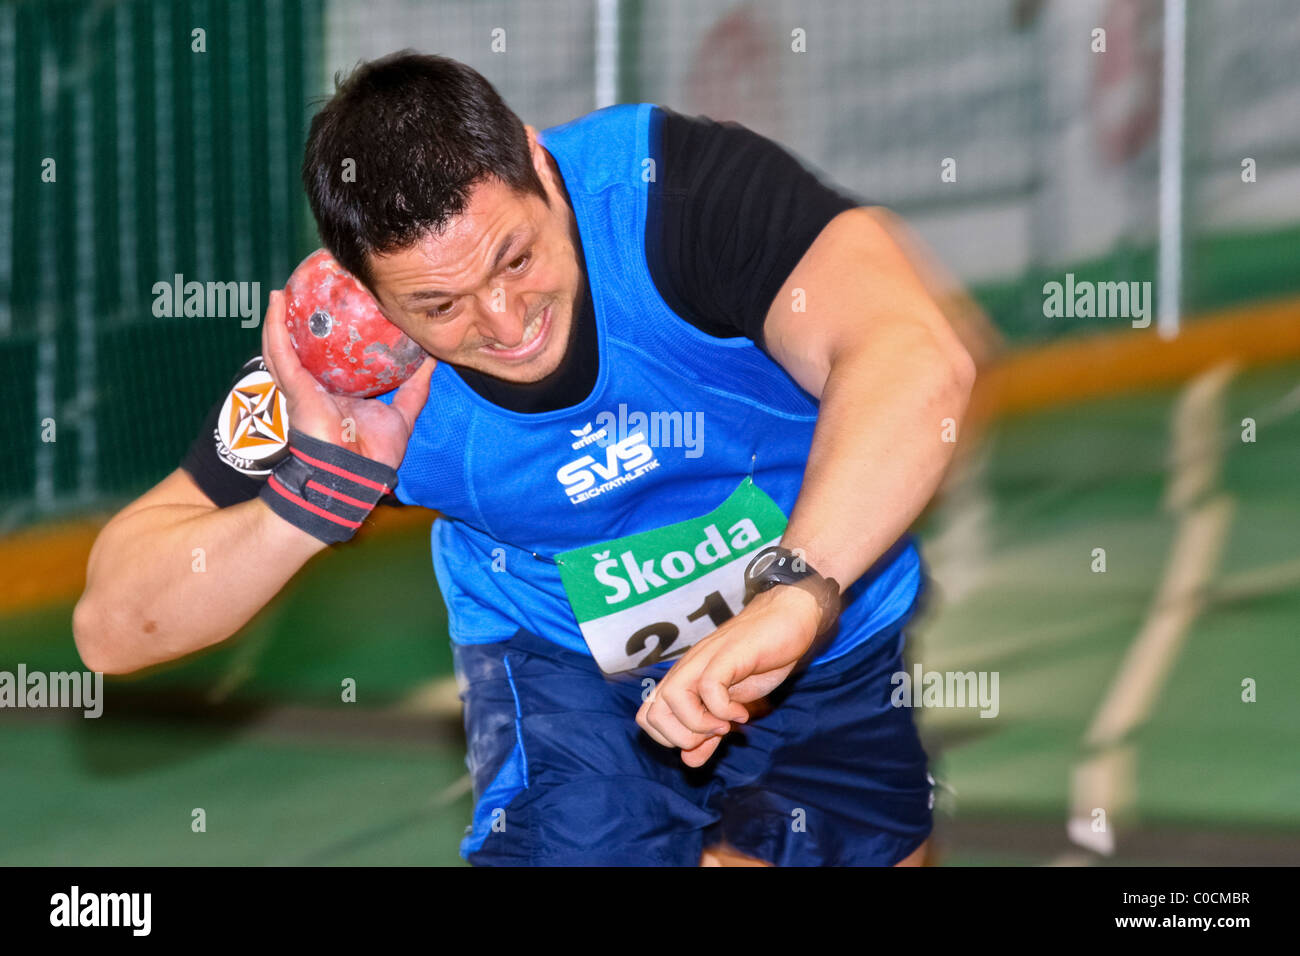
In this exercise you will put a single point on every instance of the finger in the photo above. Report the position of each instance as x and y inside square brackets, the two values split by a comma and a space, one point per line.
[714, 687]
[672, 729]
[278, 353]
[716, 697]
[684, 702]
[643, 721]
[275, 296]
[414, 392]
[700, 755]
[757, 686]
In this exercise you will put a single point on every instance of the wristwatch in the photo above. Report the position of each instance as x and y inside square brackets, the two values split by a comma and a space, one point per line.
[777, 565]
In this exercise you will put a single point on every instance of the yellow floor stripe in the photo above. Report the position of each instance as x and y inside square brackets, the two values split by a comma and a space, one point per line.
[46, 564]
[1095, 366]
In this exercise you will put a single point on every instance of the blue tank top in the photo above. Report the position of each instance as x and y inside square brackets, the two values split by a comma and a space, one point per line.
[678, 423]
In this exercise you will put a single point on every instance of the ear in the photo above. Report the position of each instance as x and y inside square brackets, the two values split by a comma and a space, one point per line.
[541, 159]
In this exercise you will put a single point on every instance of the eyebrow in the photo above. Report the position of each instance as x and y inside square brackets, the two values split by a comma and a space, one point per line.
[509, 241]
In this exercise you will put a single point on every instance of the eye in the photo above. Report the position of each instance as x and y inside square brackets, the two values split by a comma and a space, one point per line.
[518, 265]
[440, 311]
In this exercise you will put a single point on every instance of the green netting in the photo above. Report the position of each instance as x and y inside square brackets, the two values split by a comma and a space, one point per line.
[167, 161]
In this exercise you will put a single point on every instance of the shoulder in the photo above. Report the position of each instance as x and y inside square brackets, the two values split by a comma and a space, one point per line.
[729, 215]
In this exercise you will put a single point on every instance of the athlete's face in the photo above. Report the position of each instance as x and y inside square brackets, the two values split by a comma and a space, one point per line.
[496, 290]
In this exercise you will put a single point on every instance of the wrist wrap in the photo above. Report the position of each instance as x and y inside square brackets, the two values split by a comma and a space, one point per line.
[325, 490]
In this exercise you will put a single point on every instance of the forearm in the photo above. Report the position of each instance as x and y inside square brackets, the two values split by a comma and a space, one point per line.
[889, 413]
[168, 580]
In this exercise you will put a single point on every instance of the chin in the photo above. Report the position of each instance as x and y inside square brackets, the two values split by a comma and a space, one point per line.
[526, 375]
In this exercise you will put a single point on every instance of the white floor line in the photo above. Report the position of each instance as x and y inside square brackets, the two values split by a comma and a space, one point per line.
[1252, 582]
[1106, 778]
[439, 698]
[959, 553]
[453, 791]
[1193, 558]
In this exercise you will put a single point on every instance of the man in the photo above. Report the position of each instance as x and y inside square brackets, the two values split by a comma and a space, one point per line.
[673, 648]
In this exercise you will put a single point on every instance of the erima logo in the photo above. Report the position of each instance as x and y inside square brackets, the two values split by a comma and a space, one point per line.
[625, 461]
[585, 436]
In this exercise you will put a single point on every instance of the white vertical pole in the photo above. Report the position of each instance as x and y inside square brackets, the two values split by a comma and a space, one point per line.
[606, 53]
[1169, 276]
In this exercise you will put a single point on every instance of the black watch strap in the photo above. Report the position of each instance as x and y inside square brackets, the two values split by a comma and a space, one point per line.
[776, 565]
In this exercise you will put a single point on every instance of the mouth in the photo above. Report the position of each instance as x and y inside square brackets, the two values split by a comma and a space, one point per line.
[535, 336]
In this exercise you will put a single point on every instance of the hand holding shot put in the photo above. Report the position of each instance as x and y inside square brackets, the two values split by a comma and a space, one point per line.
[344, 448]
[370, 428]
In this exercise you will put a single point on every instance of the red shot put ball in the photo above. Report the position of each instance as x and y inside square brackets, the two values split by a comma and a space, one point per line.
[339, 333]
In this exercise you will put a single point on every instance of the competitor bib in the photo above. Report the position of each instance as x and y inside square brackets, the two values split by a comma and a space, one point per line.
[650, 596]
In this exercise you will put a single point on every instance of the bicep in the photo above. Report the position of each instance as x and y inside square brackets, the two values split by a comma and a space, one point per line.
[853, 286]
[178, 488]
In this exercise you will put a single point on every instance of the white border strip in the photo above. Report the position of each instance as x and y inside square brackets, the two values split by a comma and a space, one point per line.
[606, 53]
[1169, 277]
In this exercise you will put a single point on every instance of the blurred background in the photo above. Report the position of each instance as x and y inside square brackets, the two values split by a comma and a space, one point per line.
[1120, 541]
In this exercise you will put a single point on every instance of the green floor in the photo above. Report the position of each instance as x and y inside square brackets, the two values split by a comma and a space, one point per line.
[255, 733]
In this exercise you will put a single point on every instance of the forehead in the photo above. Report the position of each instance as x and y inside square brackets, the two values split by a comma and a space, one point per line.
[496, 220]
[492, 205]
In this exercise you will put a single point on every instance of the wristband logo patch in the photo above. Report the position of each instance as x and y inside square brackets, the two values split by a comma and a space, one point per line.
[252, 433]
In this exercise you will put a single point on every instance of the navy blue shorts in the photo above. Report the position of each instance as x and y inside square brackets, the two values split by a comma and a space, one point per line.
[563, 775]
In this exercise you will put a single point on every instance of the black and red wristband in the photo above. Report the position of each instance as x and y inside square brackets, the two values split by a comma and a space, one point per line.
[325, 490]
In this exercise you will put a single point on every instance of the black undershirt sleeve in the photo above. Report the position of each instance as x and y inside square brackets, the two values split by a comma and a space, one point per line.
[223, 483]
[730, 215]
[220, 482]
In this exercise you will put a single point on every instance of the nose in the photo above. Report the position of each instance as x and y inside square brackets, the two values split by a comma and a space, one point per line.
[502, 317]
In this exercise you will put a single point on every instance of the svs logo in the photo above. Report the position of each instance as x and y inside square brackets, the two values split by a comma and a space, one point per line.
[586, 477]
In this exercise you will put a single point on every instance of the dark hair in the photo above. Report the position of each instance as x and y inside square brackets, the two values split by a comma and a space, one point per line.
[422, 132]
